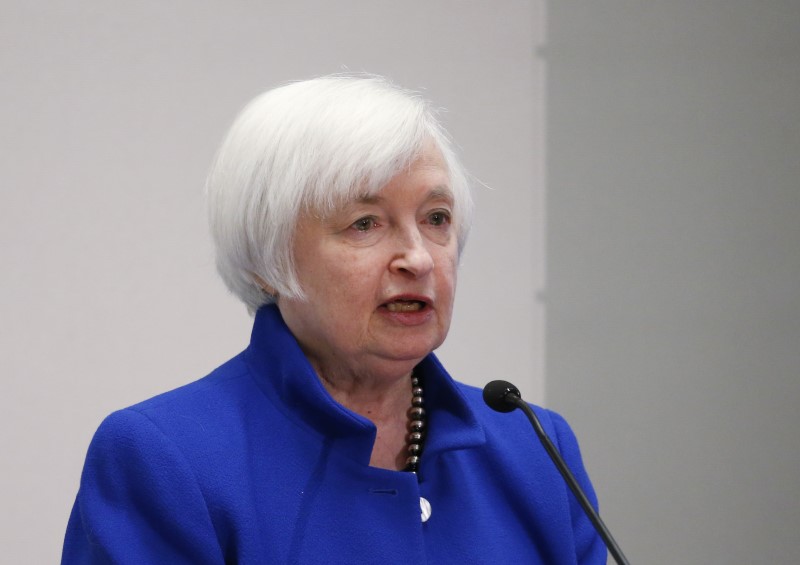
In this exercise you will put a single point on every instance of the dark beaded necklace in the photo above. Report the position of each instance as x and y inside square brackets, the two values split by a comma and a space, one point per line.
[416, 426]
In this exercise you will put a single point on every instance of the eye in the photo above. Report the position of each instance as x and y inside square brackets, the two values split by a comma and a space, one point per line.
[364, 224]
[438, 218]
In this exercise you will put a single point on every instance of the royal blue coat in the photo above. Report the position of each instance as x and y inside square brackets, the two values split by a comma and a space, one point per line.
[257, 464]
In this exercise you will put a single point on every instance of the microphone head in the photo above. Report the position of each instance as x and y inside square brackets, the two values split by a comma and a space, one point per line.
[495, 393]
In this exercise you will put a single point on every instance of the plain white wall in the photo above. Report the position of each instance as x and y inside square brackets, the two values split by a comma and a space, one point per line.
[673, 287]
[111, 112]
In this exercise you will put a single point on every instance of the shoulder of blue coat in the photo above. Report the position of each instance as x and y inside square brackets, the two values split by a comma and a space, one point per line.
[515, 424]
[197, 413]
[474, 396]
[220, 381]
[210, 422]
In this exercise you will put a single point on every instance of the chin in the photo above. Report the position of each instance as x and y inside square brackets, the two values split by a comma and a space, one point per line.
[413, 350]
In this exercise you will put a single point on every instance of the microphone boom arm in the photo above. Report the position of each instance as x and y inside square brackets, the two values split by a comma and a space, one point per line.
[511, 398]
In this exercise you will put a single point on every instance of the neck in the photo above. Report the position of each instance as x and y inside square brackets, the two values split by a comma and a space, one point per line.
[386, 405]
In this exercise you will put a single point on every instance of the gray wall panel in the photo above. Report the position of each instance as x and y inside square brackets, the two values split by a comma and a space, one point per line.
[673, 290]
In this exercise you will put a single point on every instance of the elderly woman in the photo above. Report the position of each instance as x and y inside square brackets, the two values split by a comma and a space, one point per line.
[339, 212]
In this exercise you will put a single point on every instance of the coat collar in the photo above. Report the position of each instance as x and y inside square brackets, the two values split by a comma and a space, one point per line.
[285, 375]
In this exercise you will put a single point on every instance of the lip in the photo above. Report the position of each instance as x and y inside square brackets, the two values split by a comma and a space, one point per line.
[414, 318]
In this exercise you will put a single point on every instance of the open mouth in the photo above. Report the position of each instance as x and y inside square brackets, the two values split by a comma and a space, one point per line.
[405, 306]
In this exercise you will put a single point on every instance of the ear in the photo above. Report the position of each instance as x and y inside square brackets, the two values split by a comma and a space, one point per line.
[264, 286]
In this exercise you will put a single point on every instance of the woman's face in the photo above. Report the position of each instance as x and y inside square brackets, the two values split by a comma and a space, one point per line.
[379, 276]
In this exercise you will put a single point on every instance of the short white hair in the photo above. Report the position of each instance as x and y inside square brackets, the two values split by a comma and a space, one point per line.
[313, 145]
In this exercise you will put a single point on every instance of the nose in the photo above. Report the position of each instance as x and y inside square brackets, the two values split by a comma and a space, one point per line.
[412, 256]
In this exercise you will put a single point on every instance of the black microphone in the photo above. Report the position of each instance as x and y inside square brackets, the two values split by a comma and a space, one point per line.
[502, 396]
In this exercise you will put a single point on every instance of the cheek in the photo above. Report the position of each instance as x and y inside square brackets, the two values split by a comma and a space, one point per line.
[351, 276]
[325, 272]
[448, 268]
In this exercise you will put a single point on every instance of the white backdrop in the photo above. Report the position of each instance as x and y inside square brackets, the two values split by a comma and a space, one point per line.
[111, 112]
